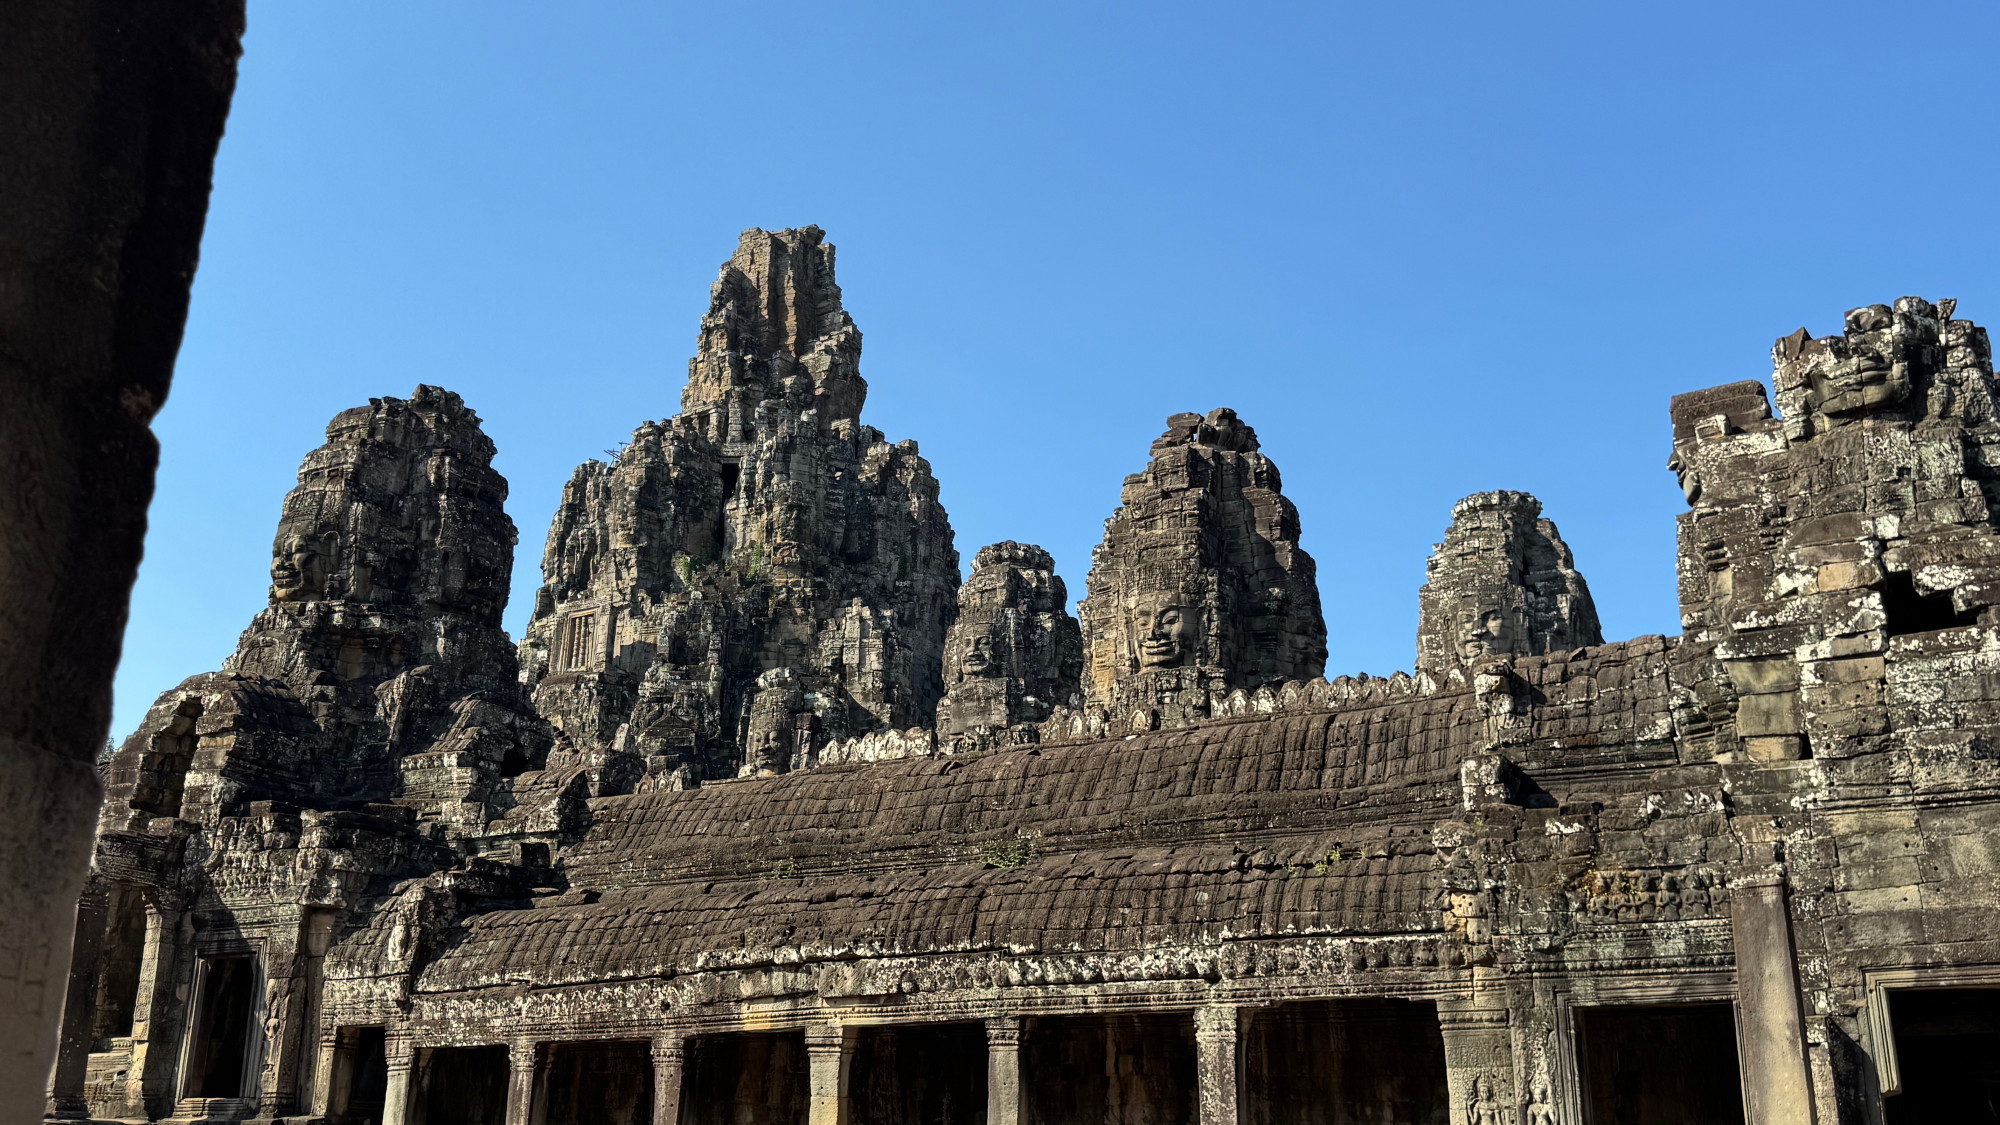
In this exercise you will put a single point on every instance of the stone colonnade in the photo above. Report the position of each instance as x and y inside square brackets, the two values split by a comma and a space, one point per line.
[1483, 1049]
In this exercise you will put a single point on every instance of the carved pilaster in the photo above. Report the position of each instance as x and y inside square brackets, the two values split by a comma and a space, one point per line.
[1003, 1071]
[1215, 1038]
[1776, 1087]
[401, 1058]
[829, 1053]
[669, 1065]
[522, 1058]
[1479, 1062]
[155, 1028]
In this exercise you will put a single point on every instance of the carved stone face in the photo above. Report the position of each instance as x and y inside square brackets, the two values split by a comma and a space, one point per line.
[298, 571]
[978, 660]
[1863, 373]
[1486, 633]
[1687, 475]
[1165, 631]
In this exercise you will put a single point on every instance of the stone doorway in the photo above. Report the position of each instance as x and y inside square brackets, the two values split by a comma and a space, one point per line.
[919, 1074]
[1136, 1069]
[1344, 1062]
[599, 1083]
[749, 1078]
[460, 1086]
[360, 1080]
[219, 1052]
[1659, 1064]
[1948, 1053]
[120, 967]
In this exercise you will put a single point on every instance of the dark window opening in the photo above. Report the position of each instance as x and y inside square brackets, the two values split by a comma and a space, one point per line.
[119, 969]
[922, 1074]
[732, 475]
[1948, 1053]
[609, 1083]
[754, 1078]
[1109, 1070]
[1345, 1062]
[1908, 611]
[223, 1013]
[361, 1075]
[514, 762]
[1659, 1064]
[462, 1086]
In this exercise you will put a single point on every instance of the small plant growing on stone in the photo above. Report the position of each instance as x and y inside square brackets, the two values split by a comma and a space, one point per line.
[1007, 854]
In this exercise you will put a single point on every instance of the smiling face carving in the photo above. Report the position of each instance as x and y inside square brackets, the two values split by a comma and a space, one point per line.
[978, 660]
[1863, 372]
[1486, 633]
[1165, 630]
[298, 570]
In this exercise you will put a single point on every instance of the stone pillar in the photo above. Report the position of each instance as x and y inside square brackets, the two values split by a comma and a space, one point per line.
[396, 1099]
[1003, 1071]
[828, 1053]
[80, 1002]
[1776, 1089]
[669, 1063]
[521, 1058]
[321, 1103]
[152, 1009]
[1479, 1060]
[1215, 1063]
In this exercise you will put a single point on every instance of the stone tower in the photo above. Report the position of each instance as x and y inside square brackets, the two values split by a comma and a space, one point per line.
[762, 542]
[1848, 531]
[1501, 583]
[1015, 653]
[1199, 586]
[389, 574]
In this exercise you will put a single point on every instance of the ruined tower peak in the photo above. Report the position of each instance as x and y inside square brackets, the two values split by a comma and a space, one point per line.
[1200, 586]
[1219, 428]
[1910, 361]
[1501, 583]
[776, 344]
[1014, 654]
[762, 529]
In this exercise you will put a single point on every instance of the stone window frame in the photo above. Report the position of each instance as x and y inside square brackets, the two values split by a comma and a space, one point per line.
[1565, 1070]
[581, 620]
[1879, 1034]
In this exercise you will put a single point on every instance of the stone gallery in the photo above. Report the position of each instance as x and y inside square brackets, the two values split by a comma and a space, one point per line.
[769, 819]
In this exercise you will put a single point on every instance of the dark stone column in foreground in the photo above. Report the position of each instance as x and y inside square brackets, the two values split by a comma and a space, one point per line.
[110, 114]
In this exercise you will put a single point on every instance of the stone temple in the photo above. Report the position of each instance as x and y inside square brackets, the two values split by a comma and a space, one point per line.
[769, 820]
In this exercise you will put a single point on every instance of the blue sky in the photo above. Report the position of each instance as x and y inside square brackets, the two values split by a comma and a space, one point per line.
[1424, 249]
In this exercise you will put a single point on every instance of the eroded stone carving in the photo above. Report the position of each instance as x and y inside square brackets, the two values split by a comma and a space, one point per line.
[1199, 587]
[763, 528]
[1015, 653]
[1502, 583]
